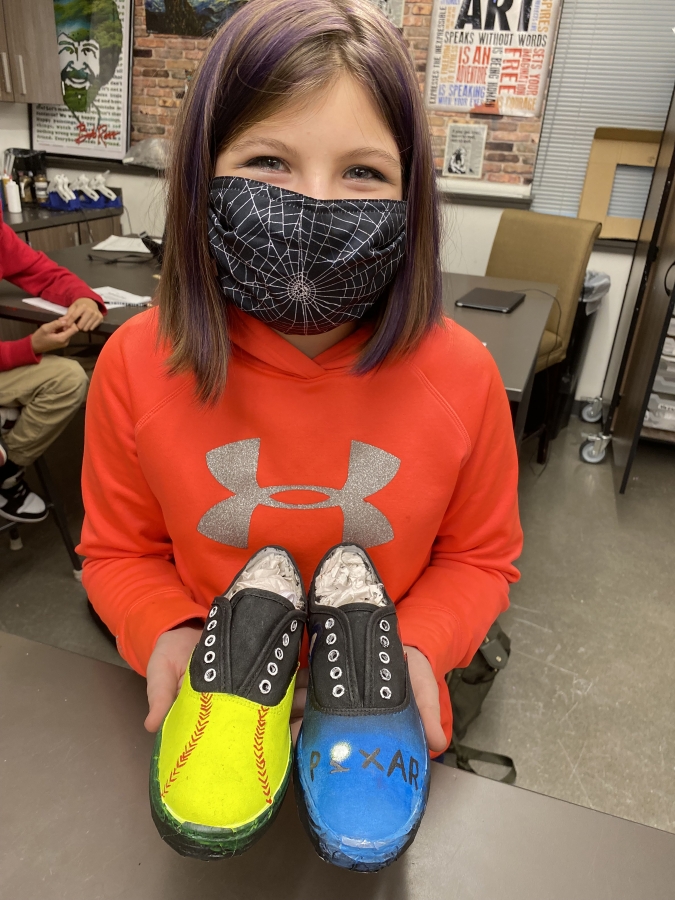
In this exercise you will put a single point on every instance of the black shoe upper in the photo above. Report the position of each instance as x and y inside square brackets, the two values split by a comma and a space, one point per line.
[249, 646]
[357, 661]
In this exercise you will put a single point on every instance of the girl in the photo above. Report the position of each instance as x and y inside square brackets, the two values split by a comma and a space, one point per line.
[298, 384]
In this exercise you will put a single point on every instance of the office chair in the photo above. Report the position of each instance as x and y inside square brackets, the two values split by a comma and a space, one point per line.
[554, 249]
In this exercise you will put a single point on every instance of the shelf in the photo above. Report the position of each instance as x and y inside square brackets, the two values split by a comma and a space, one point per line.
[658, 434]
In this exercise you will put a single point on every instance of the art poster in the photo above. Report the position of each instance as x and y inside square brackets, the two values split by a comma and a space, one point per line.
[464, 150]
[190, 18]
[491, 56]
[198, 18]
[94, 41]
[393, 10]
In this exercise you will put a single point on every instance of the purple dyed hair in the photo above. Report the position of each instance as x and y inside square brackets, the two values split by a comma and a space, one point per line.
[268, 52]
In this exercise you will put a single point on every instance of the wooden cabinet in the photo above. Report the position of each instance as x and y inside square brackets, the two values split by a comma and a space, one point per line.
[94, 230]
[29, 59]
[57, 238]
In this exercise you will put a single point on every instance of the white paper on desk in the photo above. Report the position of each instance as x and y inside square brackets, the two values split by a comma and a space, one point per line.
[46, 304]
[119, 244]
[116, 297]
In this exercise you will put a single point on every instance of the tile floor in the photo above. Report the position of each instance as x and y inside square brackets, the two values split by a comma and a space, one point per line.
[586, 705]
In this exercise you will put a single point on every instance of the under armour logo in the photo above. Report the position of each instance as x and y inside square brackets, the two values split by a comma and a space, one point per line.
[235, 466]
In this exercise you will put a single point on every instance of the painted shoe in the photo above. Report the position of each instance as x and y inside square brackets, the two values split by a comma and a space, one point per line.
[223, 755]
[361, 762]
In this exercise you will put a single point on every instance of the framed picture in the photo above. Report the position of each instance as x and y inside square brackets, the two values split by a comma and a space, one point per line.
[464, 150]
[94, 41]
[188, 18]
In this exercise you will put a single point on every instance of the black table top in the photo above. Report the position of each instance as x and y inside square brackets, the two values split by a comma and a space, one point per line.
[512, 339]
[74, 763]
[136, 277]
[33, 218]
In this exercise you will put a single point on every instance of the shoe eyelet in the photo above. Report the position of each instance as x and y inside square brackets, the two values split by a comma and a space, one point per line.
[273, 668]
[384, 640]
[329, 623]
[213, 611]
[210, 640]
[279, 653]
[385, 674]
[209, 657]
[265, 686]
[333, 655]
[285, 640]
[211, 625]
[294, 625]
[338, 690]
[384, 625]
[385, 693]
[336, 672]
[331, 638]
[384, 657]
[209, 675]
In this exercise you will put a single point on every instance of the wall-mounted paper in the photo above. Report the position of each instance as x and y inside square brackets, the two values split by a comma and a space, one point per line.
[491, 57]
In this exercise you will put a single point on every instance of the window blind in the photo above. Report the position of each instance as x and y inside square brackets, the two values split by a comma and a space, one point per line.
[630, 191]
[614, 67]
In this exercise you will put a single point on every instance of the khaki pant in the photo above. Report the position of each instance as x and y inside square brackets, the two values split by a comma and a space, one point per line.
[50, 393]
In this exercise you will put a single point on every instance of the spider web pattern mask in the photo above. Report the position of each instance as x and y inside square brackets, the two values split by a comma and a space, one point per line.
[302, 265]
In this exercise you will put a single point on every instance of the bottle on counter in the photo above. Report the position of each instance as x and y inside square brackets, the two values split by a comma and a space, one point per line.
[40, 185]
[12, 196]
[26, 188]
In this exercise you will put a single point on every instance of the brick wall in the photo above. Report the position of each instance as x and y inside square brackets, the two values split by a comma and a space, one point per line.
[163, 65]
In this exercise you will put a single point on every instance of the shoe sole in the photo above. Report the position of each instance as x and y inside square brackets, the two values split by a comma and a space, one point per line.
[207, 842]
[21, 521]
[335, 853]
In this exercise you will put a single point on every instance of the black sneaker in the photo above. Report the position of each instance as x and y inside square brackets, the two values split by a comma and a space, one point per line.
[19, 504]
[223, 755]
[362, 761]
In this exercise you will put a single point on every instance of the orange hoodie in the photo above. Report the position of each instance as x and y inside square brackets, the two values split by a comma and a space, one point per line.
[415, 461]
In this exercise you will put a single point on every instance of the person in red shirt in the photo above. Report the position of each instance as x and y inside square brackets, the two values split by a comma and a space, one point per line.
[298, 384]
[44, 390]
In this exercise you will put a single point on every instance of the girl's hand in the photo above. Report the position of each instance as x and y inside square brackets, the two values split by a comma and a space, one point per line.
[425, 690]
[166, 668]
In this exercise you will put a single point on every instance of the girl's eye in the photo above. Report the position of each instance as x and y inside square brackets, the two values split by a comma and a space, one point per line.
[362, 173]
[269, 163]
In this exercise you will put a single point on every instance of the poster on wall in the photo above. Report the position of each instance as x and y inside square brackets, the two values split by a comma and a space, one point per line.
[464, 150]
[393, 10]
[198, 18]
[487, 56]
[94, 41]
[189, 18]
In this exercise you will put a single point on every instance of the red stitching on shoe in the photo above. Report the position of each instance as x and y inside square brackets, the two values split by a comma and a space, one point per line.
[206, 702]
[259, 753]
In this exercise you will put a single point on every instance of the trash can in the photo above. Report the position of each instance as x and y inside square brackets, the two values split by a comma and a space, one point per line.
[596, 287]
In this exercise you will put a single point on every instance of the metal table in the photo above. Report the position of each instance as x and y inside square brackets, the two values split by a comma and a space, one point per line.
[512, 338]
[76, 823]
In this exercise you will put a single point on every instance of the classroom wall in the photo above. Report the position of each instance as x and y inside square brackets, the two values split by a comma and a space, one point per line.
[468, 233]
[143, 195]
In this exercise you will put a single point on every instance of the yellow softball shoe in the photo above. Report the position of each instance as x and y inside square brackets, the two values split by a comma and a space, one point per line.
[222, 757]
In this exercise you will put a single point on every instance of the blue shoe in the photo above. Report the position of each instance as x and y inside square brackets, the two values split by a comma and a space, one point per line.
[361, 762]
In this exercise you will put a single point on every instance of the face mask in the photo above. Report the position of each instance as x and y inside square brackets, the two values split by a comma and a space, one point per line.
[304, 266]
